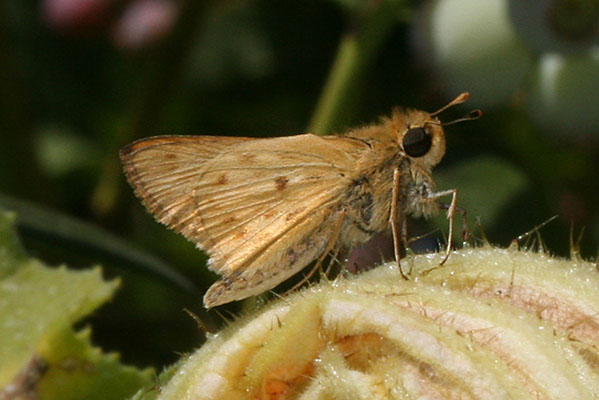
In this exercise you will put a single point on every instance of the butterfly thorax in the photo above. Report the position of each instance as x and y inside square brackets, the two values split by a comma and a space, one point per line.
[418, 185]
[368, 201]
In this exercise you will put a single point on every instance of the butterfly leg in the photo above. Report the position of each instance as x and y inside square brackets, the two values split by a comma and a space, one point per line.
[398, 237]
[451, 210]
[330, 245]
[332, 240]
[332, 261]
[463, 213]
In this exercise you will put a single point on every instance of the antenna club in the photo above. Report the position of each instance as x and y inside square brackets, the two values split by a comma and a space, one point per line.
[475, 114]
[458, 100]
[461, 98]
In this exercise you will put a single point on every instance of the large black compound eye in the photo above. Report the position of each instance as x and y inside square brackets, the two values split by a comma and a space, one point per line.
[417, 142]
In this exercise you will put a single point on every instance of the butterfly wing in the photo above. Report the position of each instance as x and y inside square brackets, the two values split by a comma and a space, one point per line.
[261, 208]
[163, 171]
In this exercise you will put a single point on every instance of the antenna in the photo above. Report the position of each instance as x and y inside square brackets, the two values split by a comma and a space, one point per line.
[472, 115]
[458, 100]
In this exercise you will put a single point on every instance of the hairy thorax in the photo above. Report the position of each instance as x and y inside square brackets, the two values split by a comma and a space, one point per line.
[416, 200]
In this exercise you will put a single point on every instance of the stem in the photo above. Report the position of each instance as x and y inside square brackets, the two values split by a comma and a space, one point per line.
[356, 54]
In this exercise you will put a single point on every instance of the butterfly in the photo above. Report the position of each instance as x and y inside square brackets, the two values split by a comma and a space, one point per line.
[263, 209]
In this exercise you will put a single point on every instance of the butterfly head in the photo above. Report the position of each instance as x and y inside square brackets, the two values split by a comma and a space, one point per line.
[423, 138]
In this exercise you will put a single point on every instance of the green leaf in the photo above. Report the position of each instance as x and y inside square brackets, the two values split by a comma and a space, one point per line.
[80, 371]
[40, 354]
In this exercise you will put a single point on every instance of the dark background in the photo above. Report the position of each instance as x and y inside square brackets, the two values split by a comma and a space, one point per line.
[80, 80]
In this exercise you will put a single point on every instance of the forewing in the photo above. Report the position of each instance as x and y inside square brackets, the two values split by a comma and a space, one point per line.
[165, 170]
[251, 195]
[237, 198]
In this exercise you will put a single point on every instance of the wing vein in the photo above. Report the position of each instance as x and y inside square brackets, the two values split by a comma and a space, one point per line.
[254, 217]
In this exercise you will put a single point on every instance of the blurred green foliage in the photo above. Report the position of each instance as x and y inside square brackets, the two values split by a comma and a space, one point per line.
[70, 98]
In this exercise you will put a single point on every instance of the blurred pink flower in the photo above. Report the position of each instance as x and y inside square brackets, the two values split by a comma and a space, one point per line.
[139, 24]
[144, 22]
[68, 14]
